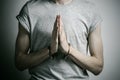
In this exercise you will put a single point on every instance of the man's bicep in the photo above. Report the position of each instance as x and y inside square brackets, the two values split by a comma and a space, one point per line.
[95, 43]
[22, 41]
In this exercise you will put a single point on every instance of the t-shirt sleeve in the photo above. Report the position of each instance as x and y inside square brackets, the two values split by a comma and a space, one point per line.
[96, 19]
[23, 18]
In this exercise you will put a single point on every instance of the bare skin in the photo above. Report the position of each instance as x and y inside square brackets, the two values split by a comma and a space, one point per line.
[93, 63]
[63, 2]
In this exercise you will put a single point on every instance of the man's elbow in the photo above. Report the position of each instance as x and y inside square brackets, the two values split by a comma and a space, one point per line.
[98, 70]
[19, 66]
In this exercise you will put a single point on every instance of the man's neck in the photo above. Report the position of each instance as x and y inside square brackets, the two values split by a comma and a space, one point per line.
[62, 1]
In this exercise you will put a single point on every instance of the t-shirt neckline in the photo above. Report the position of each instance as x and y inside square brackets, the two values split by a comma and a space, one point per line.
[62, 5]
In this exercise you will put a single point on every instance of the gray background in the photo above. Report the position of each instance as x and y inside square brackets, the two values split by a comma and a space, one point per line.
[110, 11]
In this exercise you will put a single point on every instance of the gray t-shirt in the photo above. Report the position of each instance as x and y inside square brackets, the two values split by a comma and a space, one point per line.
[79, 17]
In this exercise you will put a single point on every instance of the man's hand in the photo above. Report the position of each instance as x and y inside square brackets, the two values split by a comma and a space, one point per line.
[54, 43]
[63, 44]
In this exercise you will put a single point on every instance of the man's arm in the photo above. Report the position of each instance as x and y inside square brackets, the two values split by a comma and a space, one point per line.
[93, 63]
[23, 59]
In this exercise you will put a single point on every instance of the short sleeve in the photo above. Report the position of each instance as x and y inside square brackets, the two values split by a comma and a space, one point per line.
[23, 18]
[96, 19]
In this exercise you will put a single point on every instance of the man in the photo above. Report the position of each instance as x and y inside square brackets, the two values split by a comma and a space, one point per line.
[54, 37]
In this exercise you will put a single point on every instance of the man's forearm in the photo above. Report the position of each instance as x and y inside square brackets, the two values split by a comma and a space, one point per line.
[24, 61]
[86, 62]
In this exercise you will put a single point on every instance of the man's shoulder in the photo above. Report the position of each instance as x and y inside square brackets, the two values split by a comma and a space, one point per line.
[85, 3]
[34, 3]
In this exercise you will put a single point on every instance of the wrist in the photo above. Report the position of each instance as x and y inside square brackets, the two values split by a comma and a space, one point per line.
[68, 52]
[50, 54]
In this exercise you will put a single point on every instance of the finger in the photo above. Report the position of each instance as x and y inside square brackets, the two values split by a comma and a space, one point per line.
[58, 21]
[55, 34]
[56, 25]
[59, 31]
[62, 35]
[61, 26]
